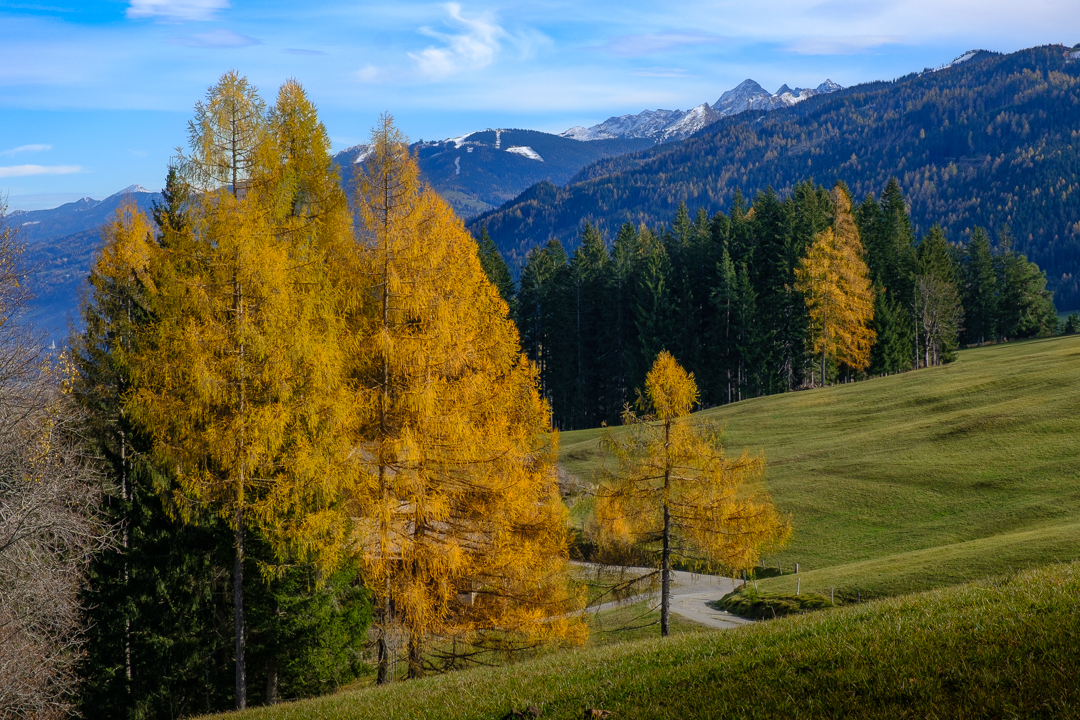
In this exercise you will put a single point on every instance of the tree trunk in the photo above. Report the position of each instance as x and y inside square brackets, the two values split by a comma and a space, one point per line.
[272, 682]
[384, 661]
[416, 660]
[665, 571]
[238, 611]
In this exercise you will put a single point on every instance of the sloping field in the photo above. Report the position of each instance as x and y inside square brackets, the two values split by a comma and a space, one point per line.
[919, 480]
[1008, 647]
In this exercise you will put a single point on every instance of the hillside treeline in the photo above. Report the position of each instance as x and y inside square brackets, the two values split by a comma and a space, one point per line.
[721, 293]
[989, 143]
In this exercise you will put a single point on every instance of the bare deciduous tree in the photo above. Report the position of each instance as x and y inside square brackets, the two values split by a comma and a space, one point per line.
[49, 526]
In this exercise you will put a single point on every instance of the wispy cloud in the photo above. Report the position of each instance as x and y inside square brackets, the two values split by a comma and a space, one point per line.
[26, 170]
[849, 45]
[219, 39]
[25, 149]
[176, 10]
[653, 43]
[369, 74]
[472, 49]
[661, 72]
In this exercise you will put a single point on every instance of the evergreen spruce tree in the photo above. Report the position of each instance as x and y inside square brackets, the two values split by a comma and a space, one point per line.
[724, 348]
[622, 331]
[979, 289]
[153, 647]
[495, 268]
[589, 318]
[541, 317]
[654, 320]
[1025, 307]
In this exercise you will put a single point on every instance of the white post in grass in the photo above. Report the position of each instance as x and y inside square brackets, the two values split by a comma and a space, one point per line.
[798, 585]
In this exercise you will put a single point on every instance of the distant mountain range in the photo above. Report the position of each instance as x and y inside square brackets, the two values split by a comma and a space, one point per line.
[479, 171]
[673, 125]
[74, 217]
[60, 245]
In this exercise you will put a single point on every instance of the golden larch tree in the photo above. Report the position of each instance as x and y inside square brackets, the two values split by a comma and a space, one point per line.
[835, 282]
[240, 375]
[464, 534]
[675, 492]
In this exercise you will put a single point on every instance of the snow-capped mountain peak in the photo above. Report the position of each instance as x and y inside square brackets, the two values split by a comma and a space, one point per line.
[131, 190]
[744, 96]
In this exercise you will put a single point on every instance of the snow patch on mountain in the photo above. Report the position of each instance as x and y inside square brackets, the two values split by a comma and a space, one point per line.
[361, 152]
[460, 140]
[578, 132]
[647, 124]
[962, 59]
[525, 151]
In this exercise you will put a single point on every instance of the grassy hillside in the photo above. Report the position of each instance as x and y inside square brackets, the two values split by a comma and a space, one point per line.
[918, 480]
[1001, 648]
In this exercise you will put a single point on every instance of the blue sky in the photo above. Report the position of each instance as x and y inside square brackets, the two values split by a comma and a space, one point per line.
[95, 95]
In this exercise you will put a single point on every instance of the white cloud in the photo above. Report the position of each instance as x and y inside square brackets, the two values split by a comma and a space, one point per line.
[219, 39]
[26, 148]
[473, 49]
[176, 9]
[25, 170]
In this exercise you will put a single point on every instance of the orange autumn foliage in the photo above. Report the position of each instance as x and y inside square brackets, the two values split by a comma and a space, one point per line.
[463, 532]
[675, 492]
[835, 282]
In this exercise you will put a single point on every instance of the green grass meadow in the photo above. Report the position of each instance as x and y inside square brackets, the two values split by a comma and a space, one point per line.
[915, 481]
[1002, 648]
[947, 500]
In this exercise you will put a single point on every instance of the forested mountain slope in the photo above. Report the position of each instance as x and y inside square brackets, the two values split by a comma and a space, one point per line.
[987, 142]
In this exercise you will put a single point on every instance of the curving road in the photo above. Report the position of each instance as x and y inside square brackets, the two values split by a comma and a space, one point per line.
[689, 594]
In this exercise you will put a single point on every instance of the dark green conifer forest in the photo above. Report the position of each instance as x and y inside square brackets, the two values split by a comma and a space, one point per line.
[719, 294]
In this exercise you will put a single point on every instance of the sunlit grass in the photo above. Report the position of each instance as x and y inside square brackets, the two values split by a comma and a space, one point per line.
[1004, 647]
[919, 480]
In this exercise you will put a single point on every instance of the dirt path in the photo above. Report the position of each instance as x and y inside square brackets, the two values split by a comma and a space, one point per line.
[689, 595]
